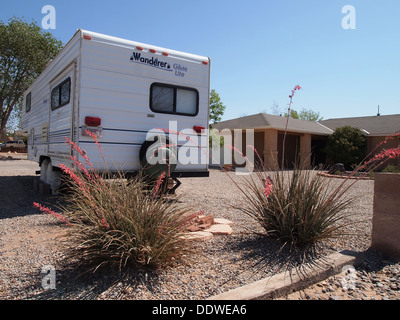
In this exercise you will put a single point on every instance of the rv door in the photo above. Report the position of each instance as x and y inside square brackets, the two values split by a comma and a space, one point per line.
[61, 112]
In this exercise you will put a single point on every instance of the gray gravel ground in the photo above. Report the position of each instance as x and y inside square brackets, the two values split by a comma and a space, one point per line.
[30, 240]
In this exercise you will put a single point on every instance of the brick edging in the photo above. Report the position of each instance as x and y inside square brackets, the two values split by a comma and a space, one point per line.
[284, 283]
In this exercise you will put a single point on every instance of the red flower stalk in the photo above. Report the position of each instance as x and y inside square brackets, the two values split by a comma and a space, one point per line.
[267, 187]
[241, 153]
[94, 137]
[158, 184]
[387, 154]
[103, 221]
[81, 152]
[46, 210]
[82, 168]
[297, 87]
[389, 138]
[80, 165]
[258, 155]
[74, 177]
[161, 229]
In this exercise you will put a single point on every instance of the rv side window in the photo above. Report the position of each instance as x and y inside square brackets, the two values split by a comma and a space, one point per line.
[28, 102]
[60, 95]
[162, 99]
[186, 101]
[171, 99]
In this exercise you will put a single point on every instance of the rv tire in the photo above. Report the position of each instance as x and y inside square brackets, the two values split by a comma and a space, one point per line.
[50, 175]
[159, 142]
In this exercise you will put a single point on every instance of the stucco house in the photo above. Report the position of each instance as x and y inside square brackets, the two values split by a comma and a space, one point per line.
[305, 140]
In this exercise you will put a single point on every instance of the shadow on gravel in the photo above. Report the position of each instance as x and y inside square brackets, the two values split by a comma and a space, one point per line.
[107, 283]
[272, 257]
[375, 261]
[2, 158]
[17, 196]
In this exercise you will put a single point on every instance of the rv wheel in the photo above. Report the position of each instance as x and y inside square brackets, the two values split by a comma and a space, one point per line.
[158, 156]
[43, 170]
[50, 176]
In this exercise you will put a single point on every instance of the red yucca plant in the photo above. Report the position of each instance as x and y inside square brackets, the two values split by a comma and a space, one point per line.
[299, 207]
[115, 221]
[296, 207]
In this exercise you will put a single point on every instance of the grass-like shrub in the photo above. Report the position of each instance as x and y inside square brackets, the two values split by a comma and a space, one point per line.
[297, 207]
[114, 221]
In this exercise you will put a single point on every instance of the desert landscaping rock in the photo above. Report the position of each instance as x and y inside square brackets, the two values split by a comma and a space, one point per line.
[223, 221]
[202, 222]
[198, 236]
[220, 229]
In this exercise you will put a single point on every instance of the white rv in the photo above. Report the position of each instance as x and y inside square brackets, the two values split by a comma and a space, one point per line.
[124, 92]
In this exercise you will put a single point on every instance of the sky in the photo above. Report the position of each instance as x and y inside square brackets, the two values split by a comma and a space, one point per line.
[259, 50]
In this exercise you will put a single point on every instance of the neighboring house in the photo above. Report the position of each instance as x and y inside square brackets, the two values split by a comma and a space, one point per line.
[376, 129]
[305, 140]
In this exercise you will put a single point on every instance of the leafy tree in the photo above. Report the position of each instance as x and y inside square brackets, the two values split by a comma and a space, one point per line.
[309, 115]
[347, 145]
[293, 114]
[217, 108]
[305, 114]
[25, 50]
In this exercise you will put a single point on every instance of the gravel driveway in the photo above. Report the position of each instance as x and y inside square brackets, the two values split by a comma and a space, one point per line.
[30, 240]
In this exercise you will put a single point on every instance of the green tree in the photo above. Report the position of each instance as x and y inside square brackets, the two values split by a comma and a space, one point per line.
[25, 50]
[309, 115]
[305, 114]
[217, 108]
[293, 114]
[346, 145]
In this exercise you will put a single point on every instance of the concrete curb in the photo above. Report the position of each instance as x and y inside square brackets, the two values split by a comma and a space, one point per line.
[286, 282]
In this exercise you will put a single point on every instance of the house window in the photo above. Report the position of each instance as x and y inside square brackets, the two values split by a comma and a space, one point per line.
[61, 94]
[165, 98]
[28, 102]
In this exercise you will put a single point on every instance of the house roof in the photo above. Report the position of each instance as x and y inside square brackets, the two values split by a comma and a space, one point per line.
[371, 126]
[269, 121]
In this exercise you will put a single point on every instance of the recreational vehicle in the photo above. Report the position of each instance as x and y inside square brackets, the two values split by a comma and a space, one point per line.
[130, 95]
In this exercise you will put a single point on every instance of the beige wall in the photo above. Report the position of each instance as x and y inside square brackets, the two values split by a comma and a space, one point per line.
[268, 144]
[270, 151]
[386, 217]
